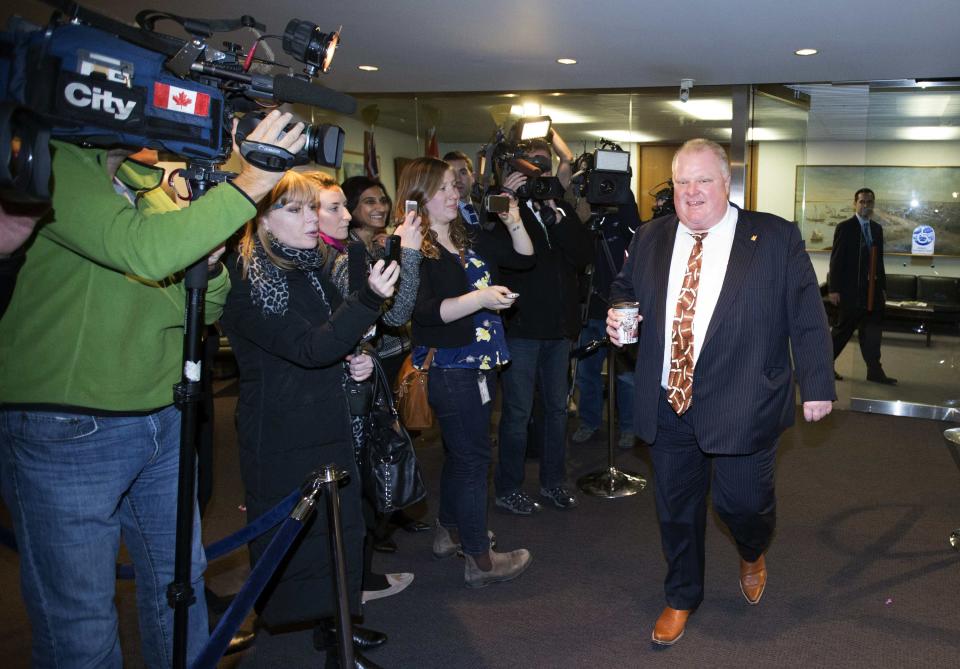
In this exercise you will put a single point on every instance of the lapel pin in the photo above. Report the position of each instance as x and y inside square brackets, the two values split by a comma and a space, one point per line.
[753, 238]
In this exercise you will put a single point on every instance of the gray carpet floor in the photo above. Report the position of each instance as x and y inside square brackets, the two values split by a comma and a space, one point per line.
[860, 571]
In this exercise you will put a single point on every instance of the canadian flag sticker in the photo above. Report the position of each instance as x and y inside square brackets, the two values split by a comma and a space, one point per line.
[178, 99]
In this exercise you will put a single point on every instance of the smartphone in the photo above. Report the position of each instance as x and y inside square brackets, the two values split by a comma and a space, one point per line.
[497, 204]
[392, 248]
[410, 205]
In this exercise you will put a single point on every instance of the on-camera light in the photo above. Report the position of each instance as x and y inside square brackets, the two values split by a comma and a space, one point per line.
[308, 44]
[534, 127]
[612, 161]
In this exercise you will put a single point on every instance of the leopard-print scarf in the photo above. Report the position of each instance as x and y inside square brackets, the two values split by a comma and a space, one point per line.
[268, 283]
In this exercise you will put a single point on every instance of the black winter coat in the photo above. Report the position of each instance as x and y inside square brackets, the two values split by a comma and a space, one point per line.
[292, 418]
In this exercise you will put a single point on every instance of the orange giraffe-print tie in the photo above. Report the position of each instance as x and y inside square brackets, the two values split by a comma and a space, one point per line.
[680, 380]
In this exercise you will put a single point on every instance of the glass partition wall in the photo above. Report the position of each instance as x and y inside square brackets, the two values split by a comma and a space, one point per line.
[802, 151]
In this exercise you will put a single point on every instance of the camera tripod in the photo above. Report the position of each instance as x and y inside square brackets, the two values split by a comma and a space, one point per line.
[610, 482]
[188, 396]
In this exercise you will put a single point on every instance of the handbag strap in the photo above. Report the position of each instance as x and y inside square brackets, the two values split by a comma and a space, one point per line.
[384, 383]
[429, 359]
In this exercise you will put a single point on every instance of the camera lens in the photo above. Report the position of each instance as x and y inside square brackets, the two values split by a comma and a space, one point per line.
[324, 145]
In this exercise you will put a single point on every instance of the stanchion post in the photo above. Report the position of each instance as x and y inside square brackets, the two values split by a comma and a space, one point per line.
[329, 479]
[611, 482]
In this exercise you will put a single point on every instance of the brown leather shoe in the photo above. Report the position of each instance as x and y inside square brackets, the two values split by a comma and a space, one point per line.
[753, 579]
[670, 626]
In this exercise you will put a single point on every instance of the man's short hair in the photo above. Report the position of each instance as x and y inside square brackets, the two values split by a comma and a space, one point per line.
[459, 155]
[856, 195]
[700, 144]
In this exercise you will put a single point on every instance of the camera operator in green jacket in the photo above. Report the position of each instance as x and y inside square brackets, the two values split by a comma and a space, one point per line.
[90, 348]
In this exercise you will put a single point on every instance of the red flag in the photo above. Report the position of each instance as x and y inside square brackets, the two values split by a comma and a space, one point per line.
[431, 147]
[178, 99]
[370, 166]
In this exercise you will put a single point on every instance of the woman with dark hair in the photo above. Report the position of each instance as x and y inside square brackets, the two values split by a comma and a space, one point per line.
[458, 333]
[369, 208]
[294, 338]
[369, 205]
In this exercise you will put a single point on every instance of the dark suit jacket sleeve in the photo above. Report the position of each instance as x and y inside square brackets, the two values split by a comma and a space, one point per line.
[838, 255]
[807, 322]
[622, 287]
[877, 232]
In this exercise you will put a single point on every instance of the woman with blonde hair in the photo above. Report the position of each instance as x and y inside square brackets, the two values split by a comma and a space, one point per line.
[294, 337]
[457, 331]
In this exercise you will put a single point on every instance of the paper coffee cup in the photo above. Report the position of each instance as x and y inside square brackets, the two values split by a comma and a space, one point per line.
[627, 315]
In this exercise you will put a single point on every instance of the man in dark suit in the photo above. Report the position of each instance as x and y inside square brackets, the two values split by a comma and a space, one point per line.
[730, 294]
[858, 246]
[463, 171]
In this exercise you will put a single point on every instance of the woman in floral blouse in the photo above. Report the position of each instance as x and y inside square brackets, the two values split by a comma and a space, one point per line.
[456, 324]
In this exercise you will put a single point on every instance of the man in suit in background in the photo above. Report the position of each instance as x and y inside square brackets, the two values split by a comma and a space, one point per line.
[463, 172]
[725, 296]
[858, 292]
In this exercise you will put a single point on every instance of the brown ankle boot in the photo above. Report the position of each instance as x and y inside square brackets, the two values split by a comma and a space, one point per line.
[506, 567]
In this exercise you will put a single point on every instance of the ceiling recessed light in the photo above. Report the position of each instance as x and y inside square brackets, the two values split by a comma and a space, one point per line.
[368, 68]
[566, 61]
[806, 52]
[555, 95]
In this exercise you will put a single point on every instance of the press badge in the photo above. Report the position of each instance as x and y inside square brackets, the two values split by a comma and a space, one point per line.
[484, 391]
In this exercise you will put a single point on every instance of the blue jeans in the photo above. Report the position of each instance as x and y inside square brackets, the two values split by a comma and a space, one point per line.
[465, 425]
[542, 364]
[74, 485]
[590, 383]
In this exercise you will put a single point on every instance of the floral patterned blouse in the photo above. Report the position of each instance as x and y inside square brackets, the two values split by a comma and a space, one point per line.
[488, 350]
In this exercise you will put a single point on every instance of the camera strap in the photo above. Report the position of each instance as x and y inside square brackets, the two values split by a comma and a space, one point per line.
[266, 156]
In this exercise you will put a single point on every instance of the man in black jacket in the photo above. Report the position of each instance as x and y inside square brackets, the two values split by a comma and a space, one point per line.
[860, 305]
[540, 329]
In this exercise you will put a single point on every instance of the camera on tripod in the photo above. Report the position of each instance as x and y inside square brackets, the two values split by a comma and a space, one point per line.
[602, 176]
[91, 80]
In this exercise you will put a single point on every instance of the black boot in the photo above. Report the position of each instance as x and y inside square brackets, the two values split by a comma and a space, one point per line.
[325, 637]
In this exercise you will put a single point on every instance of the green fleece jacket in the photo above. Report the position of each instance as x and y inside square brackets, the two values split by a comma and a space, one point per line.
[96, 319]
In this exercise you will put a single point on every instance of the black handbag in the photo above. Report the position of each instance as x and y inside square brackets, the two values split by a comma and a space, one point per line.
[391, 473]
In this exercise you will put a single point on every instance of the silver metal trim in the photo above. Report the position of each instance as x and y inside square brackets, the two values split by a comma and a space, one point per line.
[906, 409]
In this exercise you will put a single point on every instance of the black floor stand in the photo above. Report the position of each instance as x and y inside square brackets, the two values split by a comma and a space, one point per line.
[611, 482]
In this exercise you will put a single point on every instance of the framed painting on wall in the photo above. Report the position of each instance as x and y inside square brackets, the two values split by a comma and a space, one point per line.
[906, 198]
[352, 165]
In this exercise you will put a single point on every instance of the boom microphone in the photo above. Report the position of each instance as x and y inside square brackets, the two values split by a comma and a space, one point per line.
[291, 89]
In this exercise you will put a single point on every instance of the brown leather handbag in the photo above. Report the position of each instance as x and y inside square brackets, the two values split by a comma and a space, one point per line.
[411, 392]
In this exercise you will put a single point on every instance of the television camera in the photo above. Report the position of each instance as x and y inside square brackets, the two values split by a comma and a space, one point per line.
[88, 79]
[602, 176]
[510, 152]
